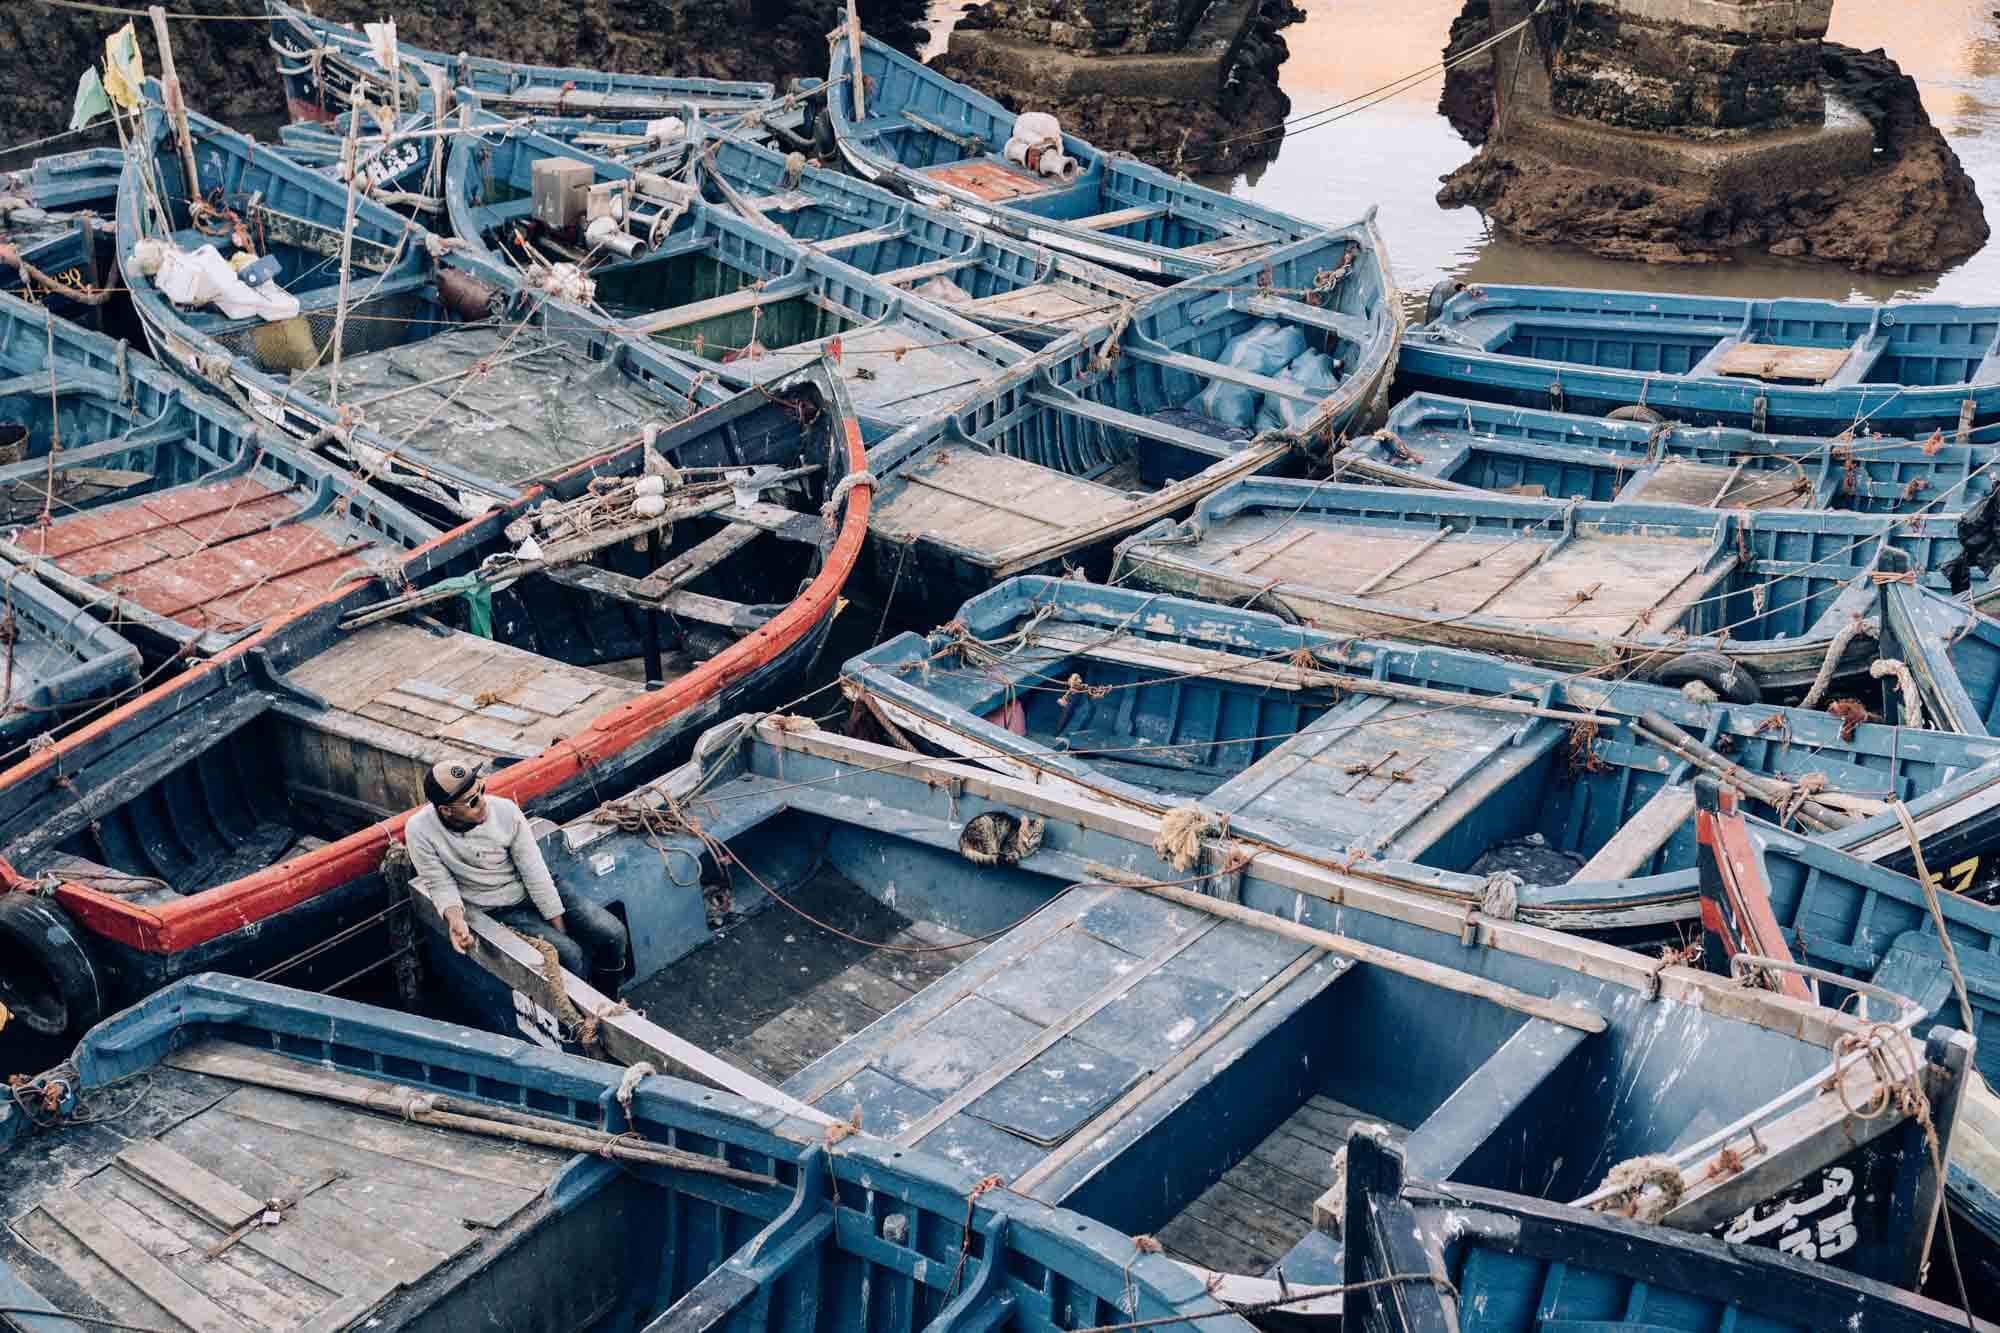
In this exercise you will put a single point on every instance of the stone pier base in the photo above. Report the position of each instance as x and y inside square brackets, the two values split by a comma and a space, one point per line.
[1184, 101]
[1684, 131]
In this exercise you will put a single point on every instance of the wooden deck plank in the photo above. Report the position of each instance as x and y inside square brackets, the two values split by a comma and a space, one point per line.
[418, 688]
[1047, 303]
[1765, 361]
[1664, 814]
[210, 1197]
[1595, 583]
[1301, 1157]
[986, 502]
[390, 1186]
[879, 990]
[74, 1277]
[263, 1293]
[1120, 217]
[126, 1257]
[1192, 1239]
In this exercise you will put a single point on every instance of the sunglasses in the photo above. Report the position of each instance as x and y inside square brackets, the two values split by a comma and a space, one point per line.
[470, 799]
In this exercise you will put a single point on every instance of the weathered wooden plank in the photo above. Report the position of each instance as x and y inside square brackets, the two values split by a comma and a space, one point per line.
[1268, 1228]
[1197, 1241]
[1184, 658]
[696, 560]
[211, 1198]
[1285, 1195]
[1766, 361]
[1634, 844]
[1120, 217]
[256, 1289]
[135, 1264]
[985, 1082]
[733, 303]
[879, 991]
[1081, 1140]
[936, 268]
[854, 240]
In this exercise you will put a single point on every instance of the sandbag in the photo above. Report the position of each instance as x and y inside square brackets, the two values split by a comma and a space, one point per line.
[942, 289]
[1312, 371]
[1263, 349]
[1037, 127]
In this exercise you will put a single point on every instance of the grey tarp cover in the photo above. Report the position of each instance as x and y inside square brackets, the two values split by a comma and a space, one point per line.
[524, 417]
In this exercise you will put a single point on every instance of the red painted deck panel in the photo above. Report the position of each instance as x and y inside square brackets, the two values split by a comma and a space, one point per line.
[205, 555]
[989, 180]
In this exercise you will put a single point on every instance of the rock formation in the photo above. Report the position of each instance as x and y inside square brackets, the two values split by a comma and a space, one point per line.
[1182, 85]
[1641, 139]
[227, 69]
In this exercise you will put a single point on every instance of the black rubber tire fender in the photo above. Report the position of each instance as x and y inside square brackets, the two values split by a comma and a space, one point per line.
[1730, 679]
[1638, 412]
[1442, 291]
[47, 978]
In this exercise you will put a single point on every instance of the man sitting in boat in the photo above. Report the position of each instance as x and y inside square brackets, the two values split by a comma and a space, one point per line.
[468, 847]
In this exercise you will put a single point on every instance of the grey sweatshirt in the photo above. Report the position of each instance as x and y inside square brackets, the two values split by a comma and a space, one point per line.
[494, 864]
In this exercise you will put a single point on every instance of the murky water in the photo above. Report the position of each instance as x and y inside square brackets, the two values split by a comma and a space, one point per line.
[1392, 154]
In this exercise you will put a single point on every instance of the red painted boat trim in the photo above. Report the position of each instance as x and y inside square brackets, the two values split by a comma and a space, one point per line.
[201, 917]
[1736, 862]
[310, 112]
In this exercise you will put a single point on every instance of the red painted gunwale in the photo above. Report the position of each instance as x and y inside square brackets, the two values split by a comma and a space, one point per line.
[200, 917]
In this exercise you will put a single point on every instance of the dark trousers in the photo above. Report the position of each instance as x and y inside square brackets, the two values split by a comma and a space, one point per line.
[593, 947]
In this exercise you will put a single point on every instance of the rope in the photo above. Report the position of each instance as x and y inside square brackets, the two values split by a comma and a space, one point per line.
[1178, 842]
[1830, 667]
[1913, 703]
[1936, 911]
[1631, 1197]
[629, 1083]
[831, 510]
[1501, 897]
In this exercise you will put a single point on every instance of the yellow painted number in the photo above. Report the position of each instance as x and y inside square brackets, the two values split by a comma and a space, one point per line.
[1960, 876]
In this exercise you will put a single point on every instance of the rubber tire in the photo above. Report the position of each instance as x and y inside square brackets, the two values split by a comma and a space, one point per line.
[825, 146]
[67, 999]
[1636, 412]
[1443, 291]
[1730, 680]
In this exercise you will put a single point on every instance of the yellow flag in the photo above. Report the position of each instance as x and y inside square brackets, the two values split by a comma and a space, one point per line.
[124, 71]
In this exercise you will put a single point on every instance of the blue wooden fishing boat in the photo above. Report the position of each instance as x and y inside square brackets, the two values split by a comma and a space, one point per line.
[1063, 457]
[1802, 367]
[57, 662]
[576, 639]
[288, 1160]
[1032, 294]
[163, 510]
[53, 245]
[1434, 442]
[1412, 760]
[736, 303]
[394, 165]
[1454, 1259]
[1744, 601]
[320, 63]
[1138, 1019]
[63, 182]
[444, 375]
[1831, 925]
[919, 133]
